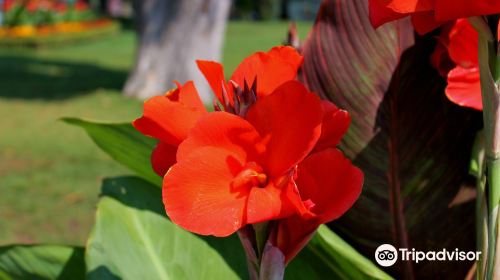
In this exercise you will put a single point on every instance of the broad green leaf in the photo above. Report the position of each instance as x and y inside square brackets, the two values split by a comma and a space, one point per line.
[133, 238]
[41, 262]
[124, 144]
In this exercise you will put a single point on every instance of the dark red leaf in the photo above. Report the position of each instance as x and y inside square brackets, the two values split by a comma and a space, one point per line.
[412, 143]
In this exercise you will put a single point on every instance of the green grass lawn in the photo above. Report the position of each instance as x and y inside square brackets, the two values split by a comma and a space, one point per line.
[50, 172]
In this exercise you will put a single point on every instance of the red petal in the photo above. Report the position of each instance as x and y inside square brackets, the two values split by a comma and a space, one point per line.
[421, 11]
[293, 234]
[463, 44]
[425, 22]
[272, 69]
[287, 55]
[408, 6]
[440, 58]
[330, 182]
[335, 124]
[186, 95]
[223, 130]
[198, 196]
[271, 202]
[380, 14]
[289, 121]
[454, 9]
[163, 157]
[214, 73]
[464, 87]
[170, 120]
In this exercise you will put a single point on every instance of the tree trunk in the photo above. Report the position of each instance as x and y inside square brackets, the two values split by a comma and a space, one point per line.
[172, 34]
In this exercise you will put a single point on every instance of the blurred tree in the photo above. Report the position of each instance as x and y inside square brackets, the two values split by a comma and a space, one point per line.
[171, 35]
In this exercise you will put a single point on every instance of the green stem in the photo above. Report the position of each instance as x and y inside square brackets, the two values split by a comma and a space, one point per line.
[481, 226]
[491, 116]
[494, 199]
[481, 205]
[261, 237]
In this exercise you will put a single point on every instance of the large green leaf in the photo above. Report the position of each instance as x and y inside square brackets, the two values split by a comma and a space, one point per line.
[133, 238]
[411, 142]
[41, 262]
[124, 144]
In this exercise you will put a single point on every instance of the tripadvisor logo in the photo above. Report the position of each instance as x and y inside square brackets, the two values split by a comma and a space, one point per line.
[387, 255]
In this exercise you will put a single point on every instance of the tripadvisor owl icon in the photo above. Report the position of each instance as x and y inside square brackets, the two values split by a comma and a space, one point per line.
[386, 255]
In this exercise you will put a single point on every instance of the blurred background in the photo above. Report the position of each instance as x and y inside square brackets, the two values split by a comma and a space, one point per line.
[99, 59]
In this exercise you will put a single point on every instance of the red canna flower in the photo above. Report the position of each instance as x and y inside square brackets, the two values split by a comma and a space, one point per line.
[427, 15]
[459, 41]
[267, 154]
[464, 86]
[232, 171]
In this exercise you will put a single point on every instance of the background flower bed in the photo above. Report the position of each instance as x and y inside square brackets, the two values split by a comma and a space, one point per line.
[41, 13]
[73, 34]
[50, 22]
[81, 81]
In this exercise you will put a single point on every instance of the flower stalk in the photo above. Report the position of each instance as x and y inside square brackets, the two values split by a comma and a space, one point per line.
[265, 261]
[488, 267]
